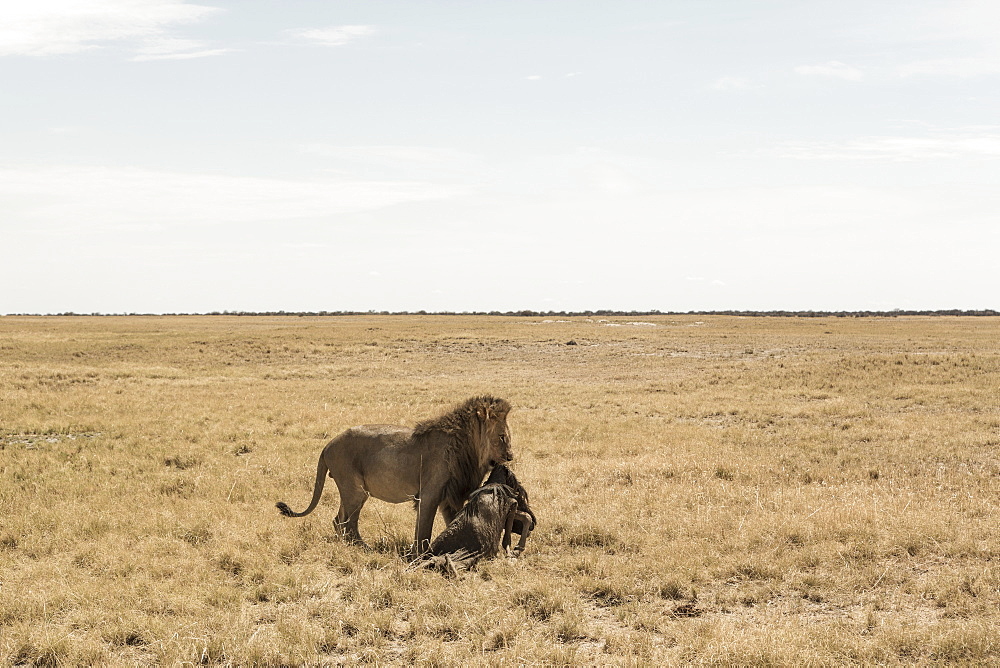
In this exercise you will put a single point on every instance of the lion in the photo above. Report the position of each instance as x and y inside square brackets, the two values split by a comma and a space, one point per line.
[437, 464]
[483, 527]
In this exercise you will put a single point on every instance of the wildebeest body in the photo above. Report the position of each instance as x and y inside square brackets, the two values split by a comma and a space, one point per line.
[483, 526]
[480, 524]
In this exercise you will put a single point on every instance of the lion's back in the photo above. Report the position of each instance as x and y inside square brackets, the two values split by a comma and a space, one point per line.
[356, 446]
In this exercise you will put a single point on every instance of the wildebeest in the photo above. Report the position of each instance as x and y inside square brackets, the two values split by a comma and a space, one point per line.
[483, 526]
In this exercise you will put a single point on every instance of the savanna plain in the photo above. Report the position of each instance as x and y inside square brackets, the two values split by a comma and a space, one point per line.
[709, 490]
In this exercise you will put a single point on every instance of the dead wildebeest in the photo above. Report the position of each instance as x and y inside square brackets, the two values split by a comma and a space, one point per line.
[483, 526]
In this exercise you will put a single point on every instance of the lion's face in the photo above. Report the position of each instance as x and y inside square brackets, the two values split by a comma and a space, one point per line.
[498, 437]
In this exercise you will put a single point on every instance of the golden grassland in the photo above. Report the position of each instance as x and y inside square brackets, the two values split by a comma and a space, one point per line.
[709, 490]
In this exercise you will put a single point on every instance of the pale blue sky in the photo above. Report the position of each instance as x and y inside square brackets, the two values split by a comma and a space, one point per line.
[167, 156]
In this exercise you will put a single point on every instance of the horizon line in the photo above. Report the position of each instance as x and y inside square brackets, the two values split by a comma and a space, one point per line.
[864, 313]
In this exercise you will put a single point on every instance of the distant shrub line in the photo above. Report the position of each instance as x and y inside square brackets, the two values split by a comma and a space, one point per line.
[537, 314]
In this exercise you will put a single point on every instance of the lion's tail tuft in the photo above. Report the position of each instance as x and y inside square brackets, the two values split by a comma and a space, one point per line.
[321, 471]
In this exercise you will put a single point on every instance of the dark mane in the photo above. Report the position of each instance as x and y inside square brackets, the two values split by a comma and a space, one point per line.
[463, 456]
[456, 422]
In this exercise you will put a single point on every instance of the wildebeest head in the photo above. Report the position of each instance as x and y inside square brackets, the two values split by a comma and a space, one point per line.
[502, 475]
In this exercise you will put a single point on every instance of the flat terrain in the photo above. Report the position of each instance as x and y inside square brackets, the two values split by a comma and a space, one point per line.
[709, 491]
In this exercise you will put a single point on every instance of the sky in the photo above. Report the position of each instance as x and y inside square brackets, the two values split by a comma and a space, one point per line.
[160, 156]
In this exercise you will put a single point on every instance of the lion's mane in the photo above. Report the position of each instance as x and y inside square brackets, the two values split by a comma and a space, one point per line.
[464, 448]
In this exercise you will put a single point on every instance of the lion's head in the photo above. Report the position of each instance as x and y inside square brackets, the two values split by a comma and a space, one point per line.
[492, 414]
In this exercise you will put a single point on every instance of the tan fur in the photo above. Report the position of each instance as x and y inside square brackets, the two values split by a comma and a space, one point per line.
[437, 464]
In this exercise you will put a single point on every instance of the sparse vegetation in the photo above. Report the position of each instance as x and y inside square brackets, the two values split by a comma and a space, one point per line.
[709, 490]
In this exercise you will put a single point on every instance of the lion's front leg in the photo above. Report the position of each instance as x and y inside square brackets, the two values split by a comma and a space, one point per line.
[427, 507]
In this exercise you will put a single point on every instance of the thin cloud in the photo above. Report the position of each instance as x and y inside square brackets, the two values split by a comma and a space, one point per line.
[334, 35]
[963, 33]
[965, 68]
[977, 142]
[419, 155]
[423, 163]
[607, 177]
[834, 69]
[175, 49]
[60, 27]
[958, 21]
[732, 83]
[186, 55]
[100, 199]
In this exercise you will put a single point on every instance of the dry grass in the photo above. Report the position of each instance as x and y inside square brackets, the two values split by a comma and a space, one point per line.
[709, 491]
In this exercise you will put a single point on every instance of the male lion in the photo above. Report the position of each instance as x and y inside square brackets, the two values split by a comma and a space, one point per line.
[437, 464]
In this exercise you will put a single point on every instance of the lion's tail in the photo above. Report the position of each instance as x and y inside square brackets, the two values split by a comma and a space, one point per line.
[321, 471]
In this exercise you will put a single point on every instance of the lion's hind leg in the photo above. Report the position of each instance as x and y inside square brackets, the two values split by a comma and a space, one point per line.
[352, 499]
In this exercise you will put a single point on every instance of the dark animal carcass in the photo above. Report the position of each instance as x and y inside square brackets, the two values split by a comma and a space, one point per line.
[483, 526]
